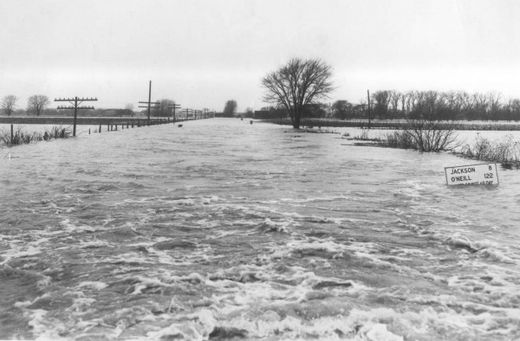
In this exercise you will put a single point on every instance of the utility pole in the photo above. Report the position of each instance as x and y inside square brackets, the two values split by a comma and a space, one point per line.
[187, 112]
[149, 103]
[174, 106]
[75, 104]
[368, 103]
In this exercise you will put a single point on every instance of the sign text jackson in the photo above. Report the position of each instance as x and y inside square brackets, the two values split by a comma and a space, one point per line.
[482, 174]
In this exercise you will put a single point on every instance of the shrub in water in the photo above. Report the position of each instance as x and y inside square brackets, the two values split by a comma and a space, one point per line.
[505, 152]
[422, 135]
[20, 137]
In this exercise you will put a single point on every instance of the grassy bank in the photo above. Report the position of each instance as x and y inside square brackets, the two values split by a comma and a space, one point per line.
[21, 137]
[427, 137]
[506, 151]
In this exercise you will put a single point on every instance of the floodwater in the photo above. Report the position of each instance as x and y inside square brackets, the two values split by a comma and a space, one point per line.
[225, 230]
[81, 130]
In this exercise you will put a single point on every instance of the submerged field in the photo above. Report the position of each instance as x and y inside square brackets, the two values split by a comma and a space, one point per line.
[225, 229]
[474, 125]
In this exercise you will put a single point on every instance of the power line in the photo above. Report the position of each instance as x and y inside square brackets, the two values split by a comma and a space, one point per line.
[75, 104]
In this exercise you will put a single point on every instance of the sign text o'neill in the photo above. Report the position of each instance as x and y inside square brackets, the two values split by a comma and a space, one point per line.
[482, 174]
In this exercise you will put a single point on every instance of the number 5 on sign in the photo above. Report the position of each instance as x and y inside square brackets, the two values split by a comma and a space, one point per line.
[482, 174]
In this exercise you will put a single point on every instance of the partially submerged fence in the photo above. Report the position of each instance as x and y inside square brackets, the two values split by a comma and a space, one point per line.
[104, 124]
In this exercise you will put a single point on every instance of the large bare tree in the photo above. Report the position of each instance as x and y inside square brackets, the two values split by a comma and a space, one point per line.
[298, 83]
[37, 103]
[8, 104]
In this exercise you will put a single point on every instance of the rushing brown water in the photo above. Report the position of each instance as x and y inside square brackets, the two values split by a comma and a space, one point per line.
[222, 229]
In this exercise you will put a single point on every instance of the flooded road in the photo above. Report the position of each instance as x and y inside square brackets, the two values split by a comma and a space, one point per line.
[222, 229]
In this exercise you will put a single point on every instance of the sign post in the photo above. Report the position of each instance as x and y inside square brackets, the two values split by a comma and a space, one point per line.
[480, 174]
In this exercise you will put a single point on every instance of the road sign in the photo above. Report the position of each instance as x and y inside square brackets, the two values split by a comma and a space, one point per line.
[480, 174]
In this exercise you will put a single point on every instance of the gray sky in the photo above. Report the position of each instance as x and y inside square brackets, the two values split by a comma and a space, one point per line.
[204, 52]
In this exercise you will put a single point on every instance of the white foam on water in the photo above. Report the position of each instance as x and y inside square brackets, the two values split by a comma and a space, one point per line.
[71, 227]
[81, 304]
[175, 256]
[184, 215]
[210, 199]
[322, 219]
[129, 258]
[21, 249]
[324, 244]
[225, 233]
[146, 282]
[44, 282]
[206, 223]
[373, 325]
[94, 244]
[249, 287]
[278, 226]
[184, 202]
[497, 255]
[317, 199]
[493, 289]
[356, 325]
[379, 332]
[42, 328]
[96, 285]
[496, 251]
[196, 326]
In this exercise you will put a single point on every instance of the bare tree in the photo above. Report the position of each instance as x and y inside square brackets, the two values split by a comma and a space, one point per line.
[163, 108]
[382, 101]
[410, 101]
[129, 109]
[494, 105]
[297, 84]
[342, 109]
[37, 103]
[230, 108]
[8, 104]
[423, 135]
[395, 97]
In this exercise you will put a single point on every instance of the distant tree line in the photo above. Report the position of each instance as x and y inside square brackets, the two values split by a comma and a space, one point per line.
[39, 105]
[431, 105]
[314, 110]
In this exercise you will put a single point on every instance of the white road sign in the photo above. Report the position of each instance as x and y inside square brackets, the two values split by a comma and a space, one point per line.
[481, 174]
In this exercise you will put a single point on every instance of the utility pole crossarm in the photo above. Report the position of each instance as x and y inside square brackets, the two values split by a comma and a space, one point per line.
[75, 105]
[75, 99]
[149, 102]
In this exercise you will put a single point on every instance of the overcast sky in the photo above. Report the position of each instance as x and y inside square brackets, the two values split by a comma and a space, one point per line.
[204, 52]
